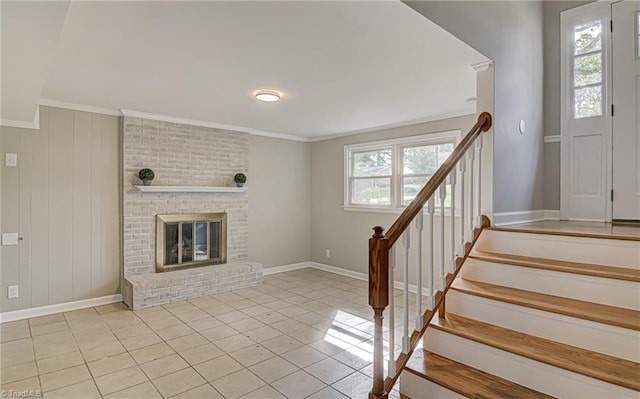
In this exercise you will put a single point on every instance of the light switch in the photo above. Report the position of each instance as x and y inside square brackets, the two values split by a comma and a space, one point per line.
[9, 238]
[10, 159]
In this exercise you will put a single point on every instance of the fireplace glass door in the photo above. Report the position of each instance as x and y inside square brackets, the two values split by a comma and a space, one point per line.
[190, 240]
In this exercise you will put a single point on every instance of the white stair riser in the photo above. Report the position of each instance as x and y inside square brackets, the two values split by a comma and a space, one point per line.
[417, 387]
[574, 249]
[619, 293]
[598, 337]
[526, 372]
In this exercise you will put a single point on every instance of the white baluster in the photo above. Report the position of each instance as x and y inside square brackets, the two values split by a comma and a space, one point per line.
[479, 208]
[462, 166]
[442, 267]
[431, 299]
[419, 228]
[391, 365]
[405, 294]
[452, 177]
[471, 221]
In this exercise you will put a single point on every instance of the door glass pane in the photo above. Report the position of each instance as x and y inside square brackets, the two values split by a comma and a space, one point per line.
[372, 191]
[187, 242]
[638, 34]
[171, 244]
[587, 69]
[214, 251]
[587, 102]
[201, 241]
[372, 163]
[587, 37]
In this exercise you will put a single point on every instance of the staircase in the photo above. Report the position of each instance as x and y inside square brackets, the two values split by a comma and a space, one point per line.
[535, 314]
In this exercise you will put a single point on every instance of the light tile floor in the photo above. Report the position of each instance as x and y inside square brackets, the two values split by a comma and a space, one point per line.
[302, 334]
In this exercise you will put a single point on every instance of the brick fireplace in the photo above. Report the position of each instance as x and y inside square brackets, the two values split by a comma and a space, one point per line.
[182, 155]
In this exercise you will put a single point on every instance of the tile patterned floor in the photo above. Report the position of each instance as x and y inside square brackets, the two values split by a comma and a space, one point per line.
[302, 334]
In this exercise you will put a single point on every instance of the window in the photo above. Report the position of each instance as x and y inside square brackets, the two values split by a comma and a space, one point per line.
[389, 174]
[587, 69]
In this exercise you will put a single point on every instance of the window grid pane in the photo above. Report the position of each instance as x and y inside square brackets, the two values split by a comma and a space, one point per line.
[372, 163]
[371, 191]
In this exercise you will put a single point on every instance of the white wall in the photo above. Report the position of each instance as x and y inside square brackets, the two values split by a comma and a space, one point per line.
[346, 233]
[63, 199]
[279, 201]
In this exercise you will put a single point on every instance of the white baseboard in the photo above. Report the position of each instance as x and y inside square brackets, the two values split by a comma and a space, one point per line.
[285, 268]
[340, 271]
[362, 276]
[551, 214]
[58, 307]
[334, 270]
[511, 218]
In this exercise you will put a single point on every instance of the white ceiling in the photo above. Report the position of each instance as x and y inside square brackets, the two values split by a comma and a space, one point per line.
[341, 66]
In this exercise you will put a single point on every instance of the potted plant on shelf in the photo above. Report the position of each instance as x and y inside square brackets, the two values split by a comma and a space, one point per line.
[240, 179]
[146, 175]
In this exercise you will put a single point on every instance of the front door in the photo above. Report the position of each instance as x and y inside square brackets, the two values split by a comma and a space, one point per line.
[626, 118]
[586, 119]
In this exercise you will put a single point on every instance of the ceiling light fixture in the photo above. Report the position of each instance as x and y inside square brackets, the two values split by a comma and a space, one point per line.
[268, 96]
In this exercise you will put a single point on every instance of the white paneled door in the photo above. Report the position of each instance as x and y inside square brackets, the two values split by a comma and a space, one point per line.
[586, 120]
[626, 118]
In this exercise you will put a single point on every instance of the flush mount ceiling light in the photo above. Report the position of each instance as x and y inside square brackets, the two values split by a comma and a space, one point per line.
[268, 96]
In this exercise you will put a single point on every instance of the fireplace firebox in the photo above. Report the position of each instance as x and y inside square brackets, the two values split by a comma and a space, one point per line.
[190, 240]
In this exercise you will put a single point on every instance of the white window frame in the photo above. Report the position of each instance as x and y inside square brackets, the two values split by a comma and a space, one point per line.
[396, 146]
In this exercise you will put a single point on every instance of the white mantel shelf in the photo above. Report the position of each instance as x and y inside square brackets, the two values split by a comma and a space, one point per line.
[189, 189]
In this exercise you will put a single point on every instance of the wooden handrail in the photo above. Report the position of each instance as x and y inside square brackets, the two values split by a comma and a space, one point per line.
[379, 250]
[400, 225]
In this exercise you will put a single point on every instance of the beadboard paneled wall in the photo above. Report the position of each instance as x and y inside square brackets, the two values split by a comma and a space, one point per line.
[63, 199]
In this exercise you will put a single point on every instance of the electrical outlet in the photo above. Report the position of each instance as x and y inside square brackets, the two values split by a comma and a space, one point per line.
[12, 291]
[327, 253]
[10, 159]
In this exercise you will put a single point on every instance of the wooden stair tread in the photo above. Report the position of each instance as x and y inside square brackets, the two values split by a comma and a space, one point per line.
[625, 318]
[466, 380]
[566, 233]
[589, 269]
[592, 364]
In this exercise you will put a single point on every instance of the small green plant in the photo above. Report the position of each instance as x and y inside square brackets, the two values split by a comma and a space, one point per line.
[146, 174]
[240, 178]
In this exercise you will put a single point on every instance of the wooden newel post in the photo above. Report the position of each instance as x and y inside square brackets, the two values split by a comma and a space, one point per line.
[378, 299]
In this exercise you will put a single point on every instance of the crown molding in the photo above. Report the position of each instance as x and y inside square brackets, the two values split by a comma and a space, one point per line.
[454, 114]
[482, 66]
[79, 107]
[22, 124]
[194, 122]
